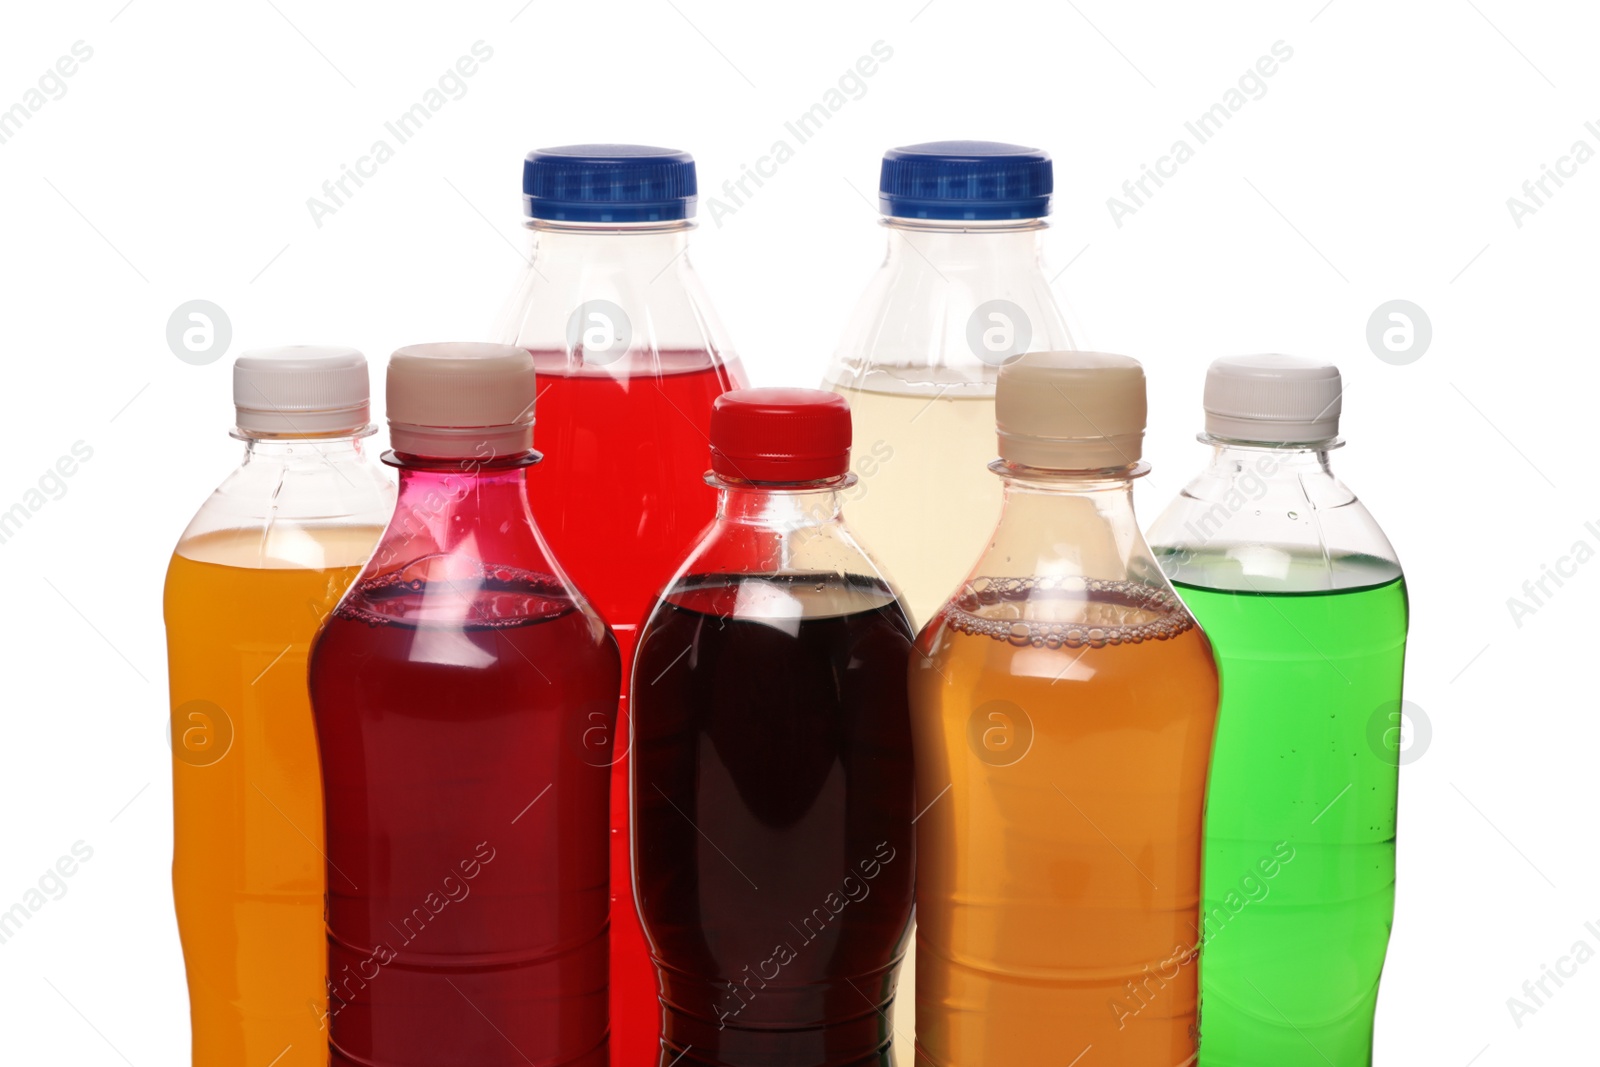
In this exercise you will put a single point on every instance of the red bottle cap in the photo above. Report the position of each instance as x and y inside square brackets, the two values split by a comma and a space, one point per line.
[780, 435]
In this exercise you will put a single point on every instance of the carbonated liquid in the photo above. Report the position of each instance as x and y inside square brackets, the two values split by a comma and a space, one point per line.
[620, 497]
[247, 874]
[468, 887]
[774, 787]
[1300, 826]
[1063, 734]
[619, 494]
[921, 457]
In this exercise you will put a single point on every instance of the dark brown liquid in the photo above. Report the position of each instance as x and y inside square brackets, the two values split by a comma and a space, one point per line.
[773, 806]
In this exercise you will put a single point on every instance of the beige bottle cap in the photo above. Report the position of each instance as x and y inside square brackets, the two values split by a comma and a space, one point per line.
[1071, 410]
[461, 400]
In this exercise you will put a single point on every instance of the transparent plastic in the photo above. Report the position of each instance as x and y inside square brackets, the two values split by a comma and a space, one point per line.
[631, 358]
[1305, 601]
[918, 363]
[266, 557]
[1063, 703]
[455, 687]
[773, 789]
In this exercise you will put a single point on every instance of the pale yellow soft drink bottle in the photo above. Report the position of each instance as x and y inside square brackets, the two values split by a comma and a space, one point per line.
[962, 290]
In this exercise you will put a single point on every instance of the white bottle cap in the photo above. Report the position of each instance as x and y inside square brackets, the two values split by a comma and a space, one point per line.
[461, 400]
[1272, 399]
[301, 391]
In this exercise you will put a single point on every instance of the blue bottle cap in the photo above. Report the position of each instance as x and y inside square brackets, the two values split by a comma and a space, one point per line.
[978, 180]
[608, 183]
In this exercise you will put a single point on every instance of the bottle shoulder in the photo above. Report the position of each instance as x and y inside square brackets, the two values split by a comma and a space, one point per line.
[305, 510]
[1235, 527]
[921, 328]
[809, 572]
[618, 311]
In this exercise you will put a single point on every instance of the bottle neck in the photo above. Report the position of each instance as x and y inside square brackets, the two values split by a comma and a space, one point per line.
[571, 245]
[336, 447]
[1271, 461]
[1036, 496]
[466, 489]
[782, 508]
[991, 249]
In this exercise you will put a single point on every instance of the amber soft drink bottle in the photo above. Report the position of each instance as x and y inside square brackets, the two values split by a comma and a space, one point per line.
[262, 563]
[772, 771]
[1062, 704]
[1304, 597]
[630, 357]
[452, 686]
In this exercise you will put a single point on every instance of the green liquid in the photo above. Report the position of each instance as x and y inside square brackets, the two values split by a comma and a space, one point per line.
[1298, 883]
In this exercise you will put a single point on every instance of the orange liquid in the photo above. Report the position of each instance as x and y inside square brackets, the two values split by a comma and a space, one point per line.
[1062, 744]
[247, 866]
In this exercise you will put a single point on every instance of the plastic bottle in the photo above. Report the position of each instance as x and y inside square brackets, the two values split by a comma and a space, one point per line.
[961, 291]
[453, 685]
[1063, 703]
[1304, 598]
[772, 775]
[268, 555]
[630, 357]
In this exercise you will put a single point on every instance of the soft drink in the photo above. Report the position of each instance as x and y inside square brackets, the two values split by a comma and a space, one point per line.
[263, 562]
[1305, 601]
[631, 356]
[1063, 703]
[772, 776]
[961, 291]
[454, 686]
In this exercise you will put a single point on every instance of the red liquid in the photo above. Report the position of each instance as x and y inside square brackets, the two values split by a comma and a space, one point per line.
[621, 497]
[466, 823]
[773, 792]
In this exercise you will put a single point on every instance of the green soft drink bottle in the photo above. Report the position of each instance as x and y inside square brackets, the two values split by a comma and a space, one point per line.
[1305, 604]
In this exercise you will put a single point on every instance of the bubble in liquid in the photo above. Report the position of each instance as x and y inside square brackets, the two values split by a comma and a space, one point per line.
[1154, 613]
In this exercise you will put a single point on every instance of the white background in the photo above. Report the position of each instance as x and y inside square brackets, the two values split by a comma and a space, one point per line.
[1377, 166]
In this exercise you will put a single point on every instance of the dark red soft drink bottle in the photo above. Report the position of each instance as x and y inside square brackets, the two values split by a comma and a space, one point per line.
[466, 820]
[772, 773]
[630, 357]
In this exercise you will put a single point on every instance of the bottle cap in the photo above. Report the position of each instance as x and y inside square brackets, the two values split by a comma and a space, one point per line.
[608, 183]
[461, 400]
[300, 391]
[1272, 399]
[1077, 411]
[780, 435]
[978, 180]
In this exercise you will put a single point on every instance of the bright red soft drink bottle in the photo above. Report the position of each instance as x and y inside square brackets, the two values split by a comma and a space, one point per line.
[467, 859]
[630, 358]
